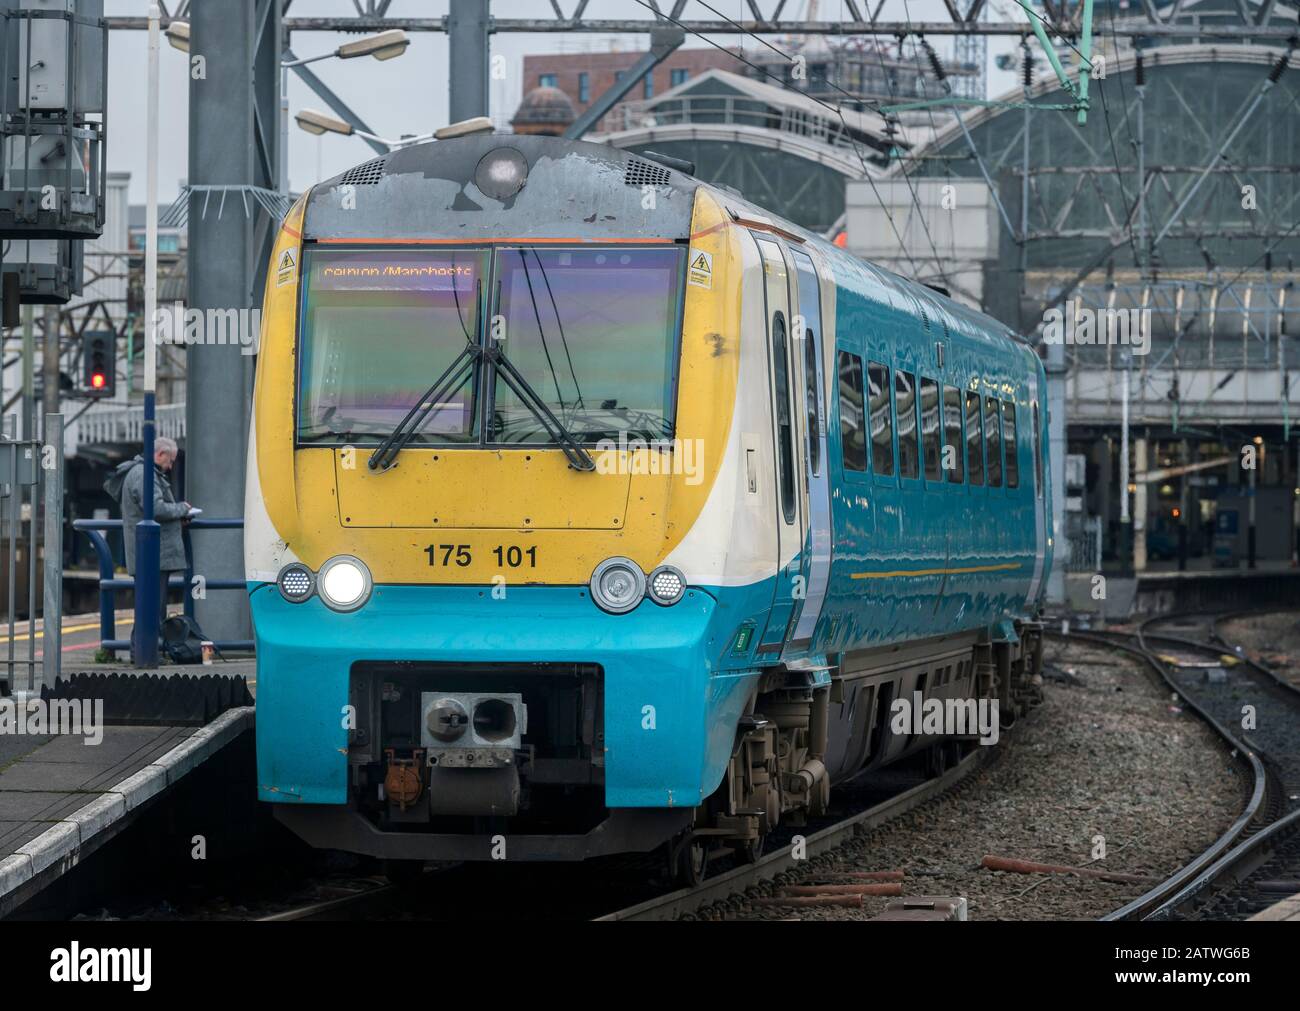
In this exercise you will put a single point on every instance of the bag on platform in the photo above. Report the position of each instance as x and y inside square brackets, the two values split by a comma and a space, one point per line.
[182, 639]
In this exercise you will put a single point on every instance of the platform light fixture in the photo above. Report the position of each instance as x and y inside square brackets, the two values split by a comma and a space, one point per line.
[466, 127]
[384, 46]
[178, 35]
[314, 121]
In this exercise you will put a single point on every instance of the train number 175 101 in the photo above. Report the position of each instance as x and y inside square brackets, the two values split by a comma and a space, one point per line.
[509, 556]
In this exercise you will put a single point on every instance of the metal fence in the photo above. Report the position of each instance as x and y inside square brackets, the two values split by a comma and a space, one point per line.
[125, 423]
[819, 125]
[31, 493]
[110, 583]
[1085, 544]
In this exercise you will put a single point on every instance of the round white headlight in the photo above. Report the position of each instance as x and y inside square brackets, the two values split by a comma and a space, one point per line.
[296, 582]
[344, 583]
[617, 585]
[501, 173]
[666, 585]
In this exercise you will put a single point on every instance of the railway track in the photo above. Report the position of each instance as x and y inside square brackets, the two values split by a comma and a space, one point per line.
[371, 899]
[731, 885]
[354, 902]
[1256, 861]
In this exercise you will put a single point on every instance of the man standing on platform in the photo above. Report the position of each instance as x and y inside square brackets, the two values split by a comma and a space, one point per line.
[126, 484]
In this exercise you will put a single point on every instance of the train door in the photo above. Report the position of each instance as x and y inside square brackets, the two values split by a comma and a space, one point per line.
[789, 518]
[811, 398]
[1041, 503]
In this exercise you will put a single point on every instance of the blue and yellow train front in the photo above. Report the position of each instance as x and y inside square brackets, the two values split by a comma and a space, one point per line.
[460, 651]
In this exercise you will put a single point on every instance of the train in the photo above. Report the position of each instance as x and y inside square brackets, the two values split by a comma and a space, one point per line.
[592, 509]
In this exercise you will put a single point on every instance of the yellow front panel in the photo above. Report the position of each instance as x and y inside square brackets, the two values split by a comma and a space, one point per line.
[477, 501]
[530, 489]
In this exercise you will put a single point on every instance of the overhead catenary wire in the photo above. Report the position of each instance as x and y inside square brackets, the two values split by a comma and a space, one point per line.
[838, 112]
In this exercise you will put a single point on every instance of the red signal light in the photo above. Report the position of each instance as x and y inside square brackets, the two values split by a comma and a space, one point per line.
[97, 380]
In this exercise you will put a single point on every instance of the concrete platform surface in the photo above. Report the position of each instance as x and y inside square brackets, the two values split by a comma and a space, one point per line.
[62, 796]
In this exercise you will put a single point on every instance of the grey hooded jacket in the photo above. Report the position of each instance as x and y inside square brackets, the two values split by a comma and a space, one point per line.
[127, 484]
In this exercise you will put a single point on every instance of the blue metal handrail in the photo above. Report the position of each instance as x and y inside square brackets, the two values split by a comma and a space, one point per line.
[109, 583]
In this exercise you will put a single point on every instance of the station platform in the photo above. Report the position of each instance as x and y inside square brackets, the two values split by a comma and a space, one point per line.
[1163, 587]
[64, 795]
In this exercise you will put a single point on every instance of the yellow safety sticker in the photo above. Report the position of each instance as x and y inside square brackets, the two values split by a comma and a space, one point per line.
[701, 269]
[284, 270]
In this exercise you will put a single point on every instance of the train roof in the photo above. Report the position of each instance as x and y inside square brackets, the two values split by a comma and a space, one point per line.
[444, 190]
[461, 187]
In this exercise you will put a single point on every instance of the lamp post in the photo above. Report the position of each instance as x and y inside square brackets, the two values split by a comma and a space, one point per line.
[316, 122]
[383, 46]
[144, 644]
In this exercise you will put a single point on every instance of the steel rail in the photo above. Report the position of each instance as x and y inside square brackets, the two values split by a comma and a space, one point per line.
[686, 900]
[1235, 866]
[328, 909]
[1189, 874]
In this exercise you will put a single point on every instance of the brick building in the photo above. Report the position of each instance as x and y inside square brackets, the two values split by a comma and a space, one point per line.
[584, 77]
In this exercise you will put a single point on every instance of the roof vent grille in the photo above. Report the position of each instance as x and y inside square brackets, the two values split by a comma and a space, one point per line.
[367, 173]
[644, 173]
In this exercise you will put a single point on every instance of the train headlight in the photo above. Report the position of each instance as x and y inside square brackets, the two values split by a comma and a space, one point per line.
[296, 582]
[501, 173]
[617, 585]
[666, 585]
[344, 583]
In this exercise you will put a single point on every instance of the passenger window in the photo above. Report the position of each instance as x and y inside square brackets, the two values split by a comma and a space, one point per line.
[813, 398]
[993, 434]
[954, 446]
[882, 424]
[931, 433]
[905, 408]
[784, 425]
[853, 430]
[974, 439]
[1013, 447]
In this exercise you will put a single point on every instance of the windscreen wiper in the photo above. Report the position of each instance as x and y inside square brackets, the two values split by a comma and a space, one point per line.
[461, 368]
[579, 458]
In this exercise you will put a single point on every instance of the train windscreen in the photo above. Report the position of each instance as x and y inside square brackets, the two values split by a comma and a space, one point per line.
[378, 327]
[594, 331]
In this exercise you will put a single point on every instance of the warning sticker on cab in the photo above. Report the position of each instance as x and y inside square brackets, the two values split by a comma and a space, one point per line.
[284, 269]
[700, 271]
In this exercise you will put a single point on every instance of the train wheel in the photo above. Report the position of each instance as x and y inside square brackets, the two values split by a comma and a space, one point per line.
[403, 872]
[690, 860]
[751, 850]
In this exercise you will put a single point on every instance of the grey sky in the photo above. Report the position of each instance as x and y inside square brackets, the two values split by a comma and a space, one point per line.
[408, 94]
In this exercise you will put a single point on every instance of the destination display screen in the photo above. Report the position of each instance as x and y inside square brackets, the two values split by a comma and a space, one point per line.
[387, 270]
